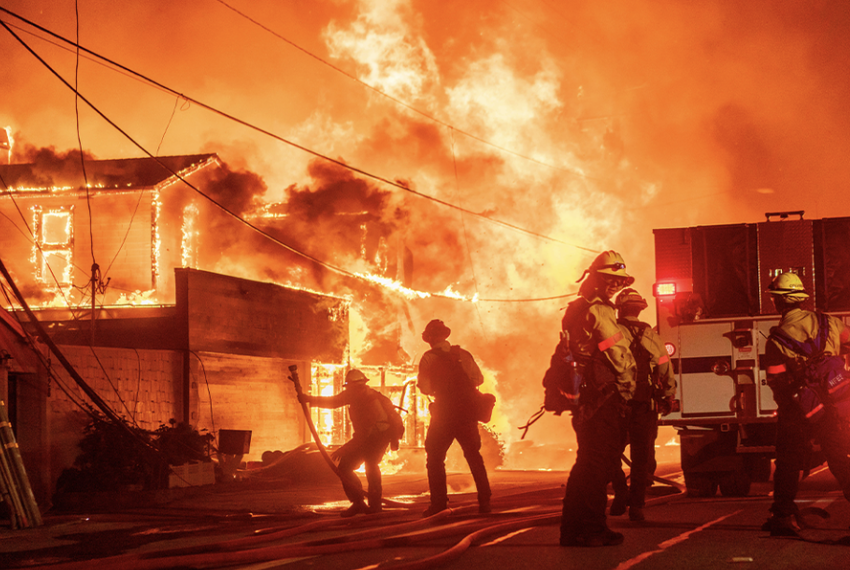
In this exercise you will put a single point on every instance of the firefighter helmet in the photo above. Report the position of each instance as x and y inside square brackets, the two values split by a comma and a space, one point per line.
[436, 331]
[354, 376]
[609, 263]
[631, 297]
[789, 286]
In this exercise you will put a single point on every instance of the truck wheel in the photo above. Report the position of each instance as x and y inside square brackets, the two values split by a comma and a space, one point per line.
[700, 485]
[735, 484]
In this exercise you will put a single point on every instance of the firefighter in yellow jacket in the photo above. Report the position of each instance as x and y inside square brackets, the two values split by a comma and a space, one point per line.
[372, 435]
[798, 421]
[655, 390]
[607, 367]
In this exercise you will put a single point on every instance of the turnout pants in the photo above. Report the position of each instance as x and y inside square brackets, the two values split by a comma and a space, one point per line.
[641, 434]
[442, 432]
[358, 450]
[600, 439]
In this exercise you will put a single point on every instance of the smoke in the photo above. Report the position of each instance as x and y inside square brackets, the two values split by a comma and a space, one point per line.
[602, 121]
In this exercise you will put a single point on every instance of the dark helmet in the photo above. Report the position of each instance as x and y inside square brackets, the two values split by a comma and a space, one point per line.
[435, 331]
[354, 376]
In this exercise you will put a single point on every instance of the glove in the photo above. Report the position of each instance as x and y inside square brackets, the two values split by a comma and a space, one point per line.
[666, 405]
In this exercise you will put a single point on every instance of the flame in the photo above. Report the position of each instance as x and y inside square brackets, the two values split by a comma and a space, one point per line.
[8, 143]
[393, 57]
[137, 298]
[155, 237]
[188, 249]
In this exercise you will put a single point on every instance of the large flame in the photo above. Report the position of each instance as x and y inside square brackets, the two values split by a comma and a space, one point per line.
[588, 124]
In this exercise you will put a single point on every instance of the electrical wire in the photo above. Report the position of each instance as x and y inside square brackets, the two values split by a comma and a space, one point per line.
[263, 131]
[209, 392]
[316, 260]
[402, 103]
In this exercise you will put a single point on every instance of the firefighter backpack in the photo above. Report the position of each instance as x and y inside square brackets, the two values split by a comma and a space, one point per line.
[823, 380]
[396, 430]
[643, 361]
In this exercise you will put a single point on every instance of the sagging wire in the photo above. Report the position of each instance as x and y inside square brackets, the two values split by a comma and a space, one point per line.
[209, 392]
[407, 105]
[67, 302]
[37, 245]
[76, 399]
[316, 260]
[260, 130]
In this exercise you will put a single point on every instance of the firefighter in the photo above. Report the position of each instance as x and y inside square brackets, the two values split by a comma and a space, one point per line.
[450, 375]
[608, 369]
[655, 389]
[372, 435]
[794, 432]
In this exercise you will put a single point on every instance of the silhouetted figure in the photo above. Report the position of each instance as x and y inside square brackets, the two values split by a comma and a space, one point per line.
[450, 374]
[607, 368]
[800, 416]
[374, 428]
[655, 389]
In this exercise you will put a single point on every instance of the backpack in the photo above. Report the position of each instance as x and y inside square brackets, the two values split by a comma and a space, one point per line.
[822, 380]
[454, 390]
[396, 430]
[643, 360]
[563, 382]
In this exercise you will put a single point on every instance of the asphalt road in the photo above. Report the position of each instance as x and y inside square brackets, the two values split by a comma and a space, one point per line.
[264, 525]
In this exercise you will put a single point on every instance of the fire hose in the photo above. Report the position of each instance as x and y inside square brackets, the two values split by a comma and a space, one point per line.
[390, 535]
[473, 529]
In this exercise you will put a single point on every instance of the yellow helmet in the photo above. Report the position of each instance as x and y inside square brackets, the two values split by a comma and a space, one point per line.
[610, 263]
[789, 286]
[631, 297]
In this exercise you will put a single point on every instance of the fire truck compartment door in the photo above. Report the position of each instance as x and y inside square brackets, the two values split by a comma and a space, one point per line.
[704, 393]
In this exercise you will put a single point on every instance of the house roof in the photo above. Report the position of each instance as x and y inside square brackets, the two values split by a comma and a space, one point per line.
[128, 173]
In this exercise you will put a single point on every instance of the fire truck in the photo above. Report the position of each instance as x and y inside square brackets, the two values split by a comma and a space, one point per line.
[715, 316]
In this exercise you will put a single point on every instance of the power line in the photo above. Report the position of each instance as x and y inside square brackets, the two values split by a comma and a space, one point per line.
[316, 260]
[280, 138]
[399, 101]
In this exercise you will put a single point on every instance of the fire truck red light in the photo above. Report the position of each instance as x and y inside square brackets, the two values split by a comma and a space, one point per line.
[664, 289]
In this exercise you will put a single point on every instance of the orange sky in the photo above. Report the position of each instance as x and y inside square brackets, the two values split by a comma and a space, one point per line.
[631, 115]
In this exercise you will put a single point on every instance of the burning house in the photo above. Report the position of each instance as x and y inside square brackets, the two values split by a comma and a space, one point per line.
[153, 332]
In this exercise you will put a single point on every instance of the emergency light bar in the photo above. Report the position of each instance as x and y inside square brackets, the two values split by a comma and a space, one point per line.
[664, 289]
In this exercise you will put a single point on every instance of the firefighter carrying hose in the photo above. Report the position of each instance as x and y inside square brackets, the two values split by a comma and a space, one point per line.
[376, 425]
[655, 389]
[804, 412]
[608, 368]
[451, 375]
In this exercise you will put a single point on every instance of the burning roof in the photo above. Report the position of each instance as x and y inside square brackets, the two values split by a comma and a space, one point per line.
[52, 173]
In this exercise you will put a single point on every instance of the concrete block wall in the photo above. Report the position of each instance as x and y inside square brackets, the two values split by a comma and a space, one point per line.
[144, 386]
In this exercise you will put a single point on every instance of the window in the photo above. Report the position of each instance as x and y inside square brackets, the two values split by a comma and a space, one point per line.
[54, 249]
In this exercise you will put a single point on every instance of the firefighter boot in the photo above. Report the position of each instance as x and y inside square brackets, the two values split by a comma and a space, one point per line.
[782, 526]
[375, 503]
[618, 505]
[433, 510]
[356, 508]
